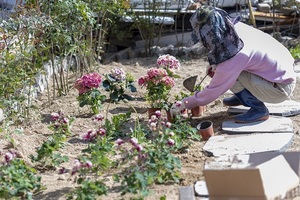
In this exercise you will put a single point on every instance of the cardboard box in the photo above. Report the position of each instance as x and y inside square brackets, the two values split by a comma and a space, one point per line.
[265, 176]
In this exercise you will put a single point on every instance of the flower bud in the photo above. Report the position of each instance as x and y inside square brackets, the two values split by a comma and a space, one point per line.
[134, 141]
[170, 142]
[139, 148]
[119, 141]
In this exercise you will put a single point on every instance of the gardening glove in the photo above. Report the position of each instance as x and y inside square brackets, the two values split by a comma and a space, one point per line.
[178, 108]
[210, 70]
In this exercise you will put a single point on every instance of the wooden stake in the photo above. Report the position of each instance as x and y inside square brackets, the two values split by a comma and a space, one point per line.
[252, 18]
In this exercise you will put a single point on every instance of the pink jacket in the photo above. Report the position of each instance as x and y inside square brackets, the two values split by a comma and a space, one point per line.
[261, 55]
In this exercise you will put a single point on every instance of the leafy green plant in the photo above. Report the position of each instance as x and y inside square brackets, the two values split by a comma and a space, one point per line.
[115, 124]
[47, 153]
[158, 85]
[18, 180]
[88, 93]
[61, 124]
[21, 60]
[295, 51]
[148, 165]
[87, 189]
[99, 153]
[149, 160]
[117, 82]
[92, 98]
[101, 145]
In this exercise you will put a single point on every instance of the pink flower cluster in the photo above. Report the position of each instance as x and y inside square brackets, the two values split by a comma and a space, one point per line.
[133, 141]
[88, 82]
[168, 61]
[59, 120]
[155, 77]
[118, 74]
[92, 135]
[79, 165]
[156, 120]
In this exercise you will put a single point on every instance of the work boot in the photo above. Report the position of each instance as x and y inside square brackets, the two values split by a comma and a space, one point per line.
[257, 112]
[231, 101]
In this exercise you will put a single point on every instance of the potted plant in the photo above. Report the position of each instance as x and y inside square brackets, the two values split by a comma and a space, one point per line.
[159, 81]
[117, 82]
[198, 110]
[158, 85]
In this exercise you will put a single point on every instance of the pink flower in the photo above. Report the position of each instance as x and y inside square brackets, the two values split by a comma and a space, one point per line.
[118, 74]
[153, 118]
[99, 117]
[134, 141]
[171, 134]
[76, 167]
[65, 120]
[101, 131]
[156, 73]
[120, 142]
[54, 116]
[139, 148]
[170, 142]
[168, 62]
[90, 135]
[88, 164]
[153, 126]
[168, 124]
[178, 104]
[168, 81]
[158, 113]
[9, 156]
[142, 80]
[87, 82]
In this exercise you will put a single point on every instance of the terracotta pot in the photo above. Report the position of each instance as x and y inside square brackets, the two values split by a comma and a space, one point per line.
[205, 129]
[169, 117]
[198, 111]
[151, 111]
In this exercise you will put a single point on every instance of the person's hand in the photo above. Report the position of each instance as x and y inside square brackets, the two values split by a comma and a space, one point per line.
[210, 72]
[178, 108]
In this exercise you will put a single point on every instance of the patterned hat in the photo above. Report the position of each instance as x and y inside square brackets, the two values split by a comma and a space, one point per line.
[215, 28]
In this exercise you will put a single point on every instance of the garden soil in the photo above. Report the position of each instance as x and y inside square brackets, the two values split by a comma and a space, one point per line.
[193, 159]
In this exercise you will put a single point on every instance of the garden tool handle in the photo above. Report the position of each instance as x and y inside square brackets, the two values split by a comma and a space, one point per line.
[202, 79]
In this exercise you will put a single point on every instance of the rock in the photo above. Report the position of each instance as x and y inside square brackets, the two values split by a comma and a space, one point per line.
[1, 115]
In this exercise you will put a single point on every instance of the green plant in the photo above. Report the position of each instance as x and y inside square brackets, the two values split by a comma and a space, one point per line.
[115, 124]
[149, 160]
[101, 144]
[88, 93]
[99, 153]
[87, 189]
[61, 124]
[158, 84]
[18, 180]
[47, 153]
[21, 60]
[117, 82]
[295, 51]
